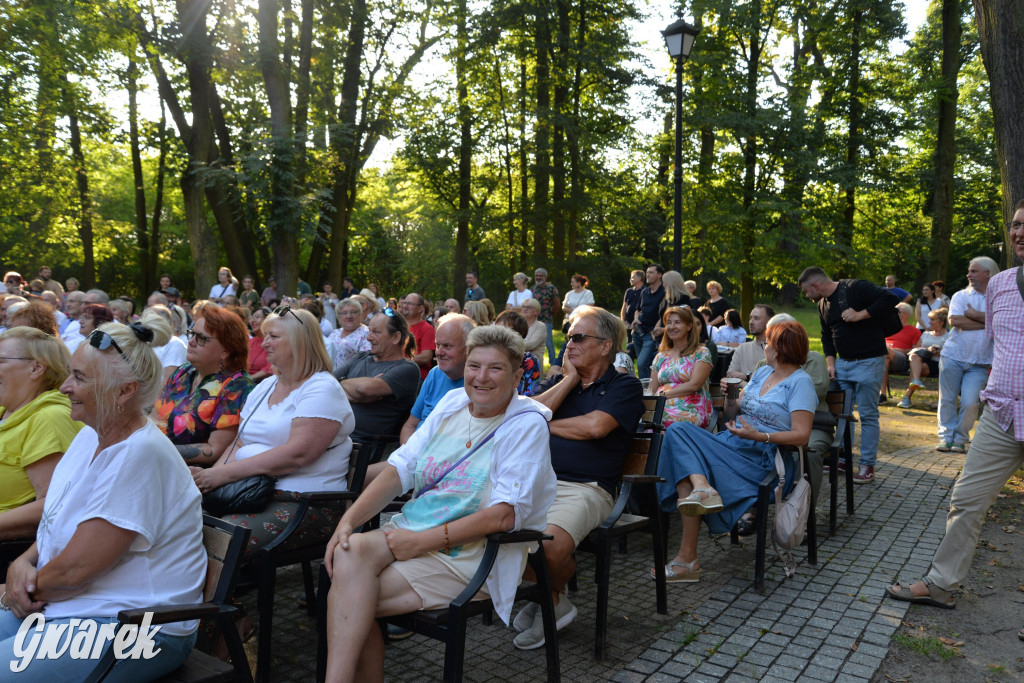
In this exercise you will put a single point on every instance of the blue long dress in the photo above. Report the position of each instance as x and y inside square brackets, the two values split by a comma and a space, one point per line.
[734, 466]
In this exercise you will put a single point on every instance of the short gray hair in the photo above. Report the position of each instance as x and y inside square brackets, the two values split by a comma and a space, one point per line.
[780, 318]
[498, 337]
[904, 308]
[464, 321]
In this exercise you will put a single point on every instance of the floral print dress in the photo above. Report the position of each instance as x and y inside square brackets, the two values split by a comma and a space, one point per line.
[696, 407]
[188, 416]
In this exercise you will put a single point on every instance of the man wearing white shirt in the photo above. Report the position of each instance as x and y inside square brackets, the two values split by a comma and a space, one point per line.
[73, 305]
[966, 359]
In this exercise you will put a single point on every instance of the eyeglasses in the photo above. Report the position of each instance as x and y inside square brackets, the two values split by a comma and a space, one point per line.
[200, 338]
[103, 341]
[579, 337]
[1016, 225]
[15, 358]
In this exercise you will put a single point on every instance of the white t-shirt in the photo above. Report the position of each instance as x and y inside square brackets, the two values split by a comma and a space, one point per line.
[574, 299]
[140, 485]
[319, 396]
[967, 346]
[516, 298]
[219, 291]
[172, 354]
[72, 330]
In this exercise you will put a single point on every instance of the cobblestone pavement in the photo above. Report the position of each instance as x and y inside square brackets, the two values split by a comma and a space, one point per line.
[827, 623]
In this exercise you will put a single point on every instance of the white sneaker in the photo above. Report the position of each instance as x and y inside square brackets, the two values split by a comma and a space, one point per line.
[533, 637]
[905, 402]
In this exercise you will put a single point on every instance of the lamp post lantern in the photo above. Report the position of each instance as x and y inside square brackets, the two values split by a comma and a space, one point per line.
[679, 38]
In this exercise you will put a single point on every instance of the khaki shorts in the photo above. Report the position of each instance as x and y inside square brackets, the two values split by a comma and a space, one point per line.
[579, 508]
[434, 581]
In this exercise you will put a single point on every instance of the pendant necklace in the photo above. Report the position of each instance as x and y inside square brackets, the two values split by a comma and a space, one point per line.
[469, 427]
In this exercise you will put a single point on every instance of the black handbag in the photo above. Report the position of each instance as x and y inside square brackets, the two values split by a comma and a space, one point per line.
[251, 494]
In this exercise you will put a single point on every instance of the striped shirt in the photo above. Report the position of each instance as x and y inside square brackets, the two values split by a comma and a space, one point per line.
[1004, 323]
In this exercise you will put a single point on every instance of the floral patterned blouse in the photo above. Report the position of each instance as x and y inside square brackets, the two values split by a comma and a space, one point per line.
[696, 407]
[187, 416]
[343, 349]
[531, 375]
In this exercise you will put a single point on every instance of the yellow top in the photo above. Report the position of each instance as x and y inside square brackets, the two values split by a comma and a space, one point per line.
[31, 433]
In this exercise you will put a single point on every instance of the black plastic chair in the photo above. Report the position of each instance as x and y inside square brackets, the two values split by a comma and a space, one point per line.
[639, 477]
[840, 404]
[653, 418]
[449, 625]
[225, 546]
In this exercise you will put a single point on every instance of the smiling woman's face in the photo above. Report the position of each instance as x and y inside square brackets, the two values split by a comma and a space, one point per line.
[490, 381]
[80, 388]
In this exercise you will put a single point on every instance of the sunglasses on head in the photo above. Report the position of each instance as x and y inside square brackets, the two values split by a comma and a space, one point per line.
[103, 341]
[389, 312]
[285, 308]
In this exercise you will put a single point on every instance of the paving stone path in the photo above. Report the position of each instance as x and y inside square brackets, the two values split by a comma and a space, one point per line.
[827, 623]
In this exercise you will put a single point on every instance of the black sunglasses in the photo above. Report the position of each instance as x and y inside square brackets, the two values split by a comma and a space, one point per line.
[103, 341]
[579, 337]
[285, 308]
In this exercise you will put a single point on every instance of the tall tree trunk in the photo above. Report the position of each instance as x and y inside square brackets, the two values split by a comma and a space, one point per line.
[844, 229]
[465, 150]
[573, 139]
[561, 88]
[524, 170]
[1000, 24]
[85, 232]
[282, 219]
[146, 278]
[152, 258]
[542, 135]
[945, 143]
[750, 149]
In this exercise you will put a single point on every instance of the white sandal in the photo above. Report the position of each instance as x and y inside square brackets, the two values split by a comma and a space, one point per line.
[691, 575]
[695, 506]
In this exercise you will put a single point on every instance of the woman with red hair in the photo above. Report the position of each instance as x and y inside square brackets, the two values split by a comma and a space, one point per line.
[199, 407]
[716, 476]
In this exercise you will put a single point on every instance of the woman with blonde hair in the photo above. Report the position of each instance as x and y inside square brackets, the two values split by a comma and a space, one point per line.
[35, 425]
[716, 303]
[519, 294]
[295, 427]
[477, 311]
[122, 524]
[226, 285]
[681, 369]
[676, 294]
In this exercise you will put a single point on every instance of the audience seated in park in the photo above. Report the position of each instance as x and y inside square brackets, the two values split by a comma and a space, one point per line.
[295, 427]
[171, 354]
[715, 476]
[200, 404]
[681, 369]
[596, 412]
[676, 294]
[536, 334]
[924, 358]
[35, 425]
[36, 314]
[349, 339]
[414, 309]
[731, 333]
[90, 317]
[382, 383]
[259, 367]
[899, 346]
[422, 556]
[531, 366]
[747, 355]
[126, 530]
[477, 312]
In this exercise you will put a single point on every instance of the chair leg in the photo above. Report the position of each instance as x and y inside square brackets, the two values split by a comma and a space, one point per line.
[660, 559]
[323, 587]
[455, 645]
[833, 483]
[848, 446]
[265, 601]
[762, 538]
[602, 576]
[547, 611]
[307, 580]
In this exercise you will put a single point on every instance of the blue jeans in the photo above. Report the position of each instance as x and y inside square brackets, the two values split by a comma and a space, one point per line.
[645, 347]
[863, 379]
[965, 380]
[550, 342]
[174, 650]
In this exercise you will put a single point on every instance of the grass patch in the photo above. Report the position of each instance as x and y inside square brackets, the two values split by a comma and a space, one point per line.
[925, 645]
[690, 637]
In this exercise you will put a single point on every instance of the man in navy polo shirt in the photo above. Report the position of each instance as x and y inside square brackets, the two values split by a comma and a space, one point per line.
[596, 411]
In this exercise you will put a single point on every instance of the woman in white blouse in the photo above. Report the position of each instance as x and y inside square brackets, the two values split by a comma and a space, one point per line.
[520, 294]
[578, 296]
[226, 285]
[294, 426]
[466, 487]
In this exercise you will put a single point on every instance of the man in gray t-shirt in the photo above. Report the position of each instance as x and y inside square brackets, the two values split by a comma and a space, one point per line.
[381, 392]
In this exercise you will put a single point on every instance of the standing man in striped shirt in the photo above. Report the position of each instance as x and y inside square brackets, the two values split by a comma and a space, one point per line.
[997, 450]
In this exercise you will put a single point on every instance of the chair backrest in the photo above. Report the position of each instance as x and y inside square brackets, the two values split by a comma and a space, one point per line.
[225, 546]
[642, 456]
[836, 400]
[358, 461]
[654, 413]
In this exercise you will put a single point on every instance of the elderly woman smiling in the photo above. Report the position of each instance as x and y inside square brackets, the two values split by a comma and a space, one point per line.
[35, 425]
[122, 523]
[295, 427]
[346, 342]
[466, 487]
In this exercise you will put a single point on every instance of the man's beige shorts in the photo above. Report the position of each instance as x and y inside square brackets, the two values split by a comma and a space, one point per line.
[579, 508]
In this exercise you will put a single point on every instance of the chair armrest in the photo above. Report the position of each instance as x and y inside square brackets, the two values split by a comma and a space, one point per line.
[328, 496]
[483, 570]
[166, 614]
[642, 478]
[521, 536]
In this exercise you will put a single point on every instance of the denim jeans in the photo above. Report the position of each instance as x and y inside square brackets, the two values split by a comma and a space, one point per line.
[174, 650]
[863, 379]
[965, 380]
[645, 347]
[550, 342]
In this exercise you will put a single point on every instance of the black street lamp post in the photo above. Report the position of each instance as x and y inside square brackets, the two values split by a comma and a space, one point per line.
[679, 38]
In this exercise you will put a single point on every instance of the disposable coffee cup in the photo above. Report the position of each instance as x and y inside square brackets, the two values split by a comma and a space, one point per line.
[732, 387]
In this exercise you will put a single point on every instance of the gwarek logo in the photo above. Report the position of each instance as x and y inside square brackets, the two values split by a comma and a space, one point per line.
[82, 639]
